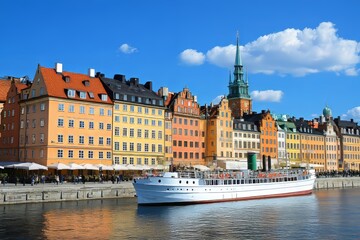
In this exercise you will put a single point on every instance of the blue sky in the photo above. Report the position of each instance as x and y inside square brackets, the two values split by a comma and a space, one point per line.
[300, 55]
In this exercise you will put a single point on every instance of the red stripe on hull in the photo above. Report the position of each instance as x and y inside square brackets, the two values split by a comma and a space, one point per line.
[307, 192]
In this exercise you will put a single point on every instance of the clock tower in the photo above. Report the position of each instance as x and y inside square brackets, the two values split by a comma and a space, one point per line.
[239, 99]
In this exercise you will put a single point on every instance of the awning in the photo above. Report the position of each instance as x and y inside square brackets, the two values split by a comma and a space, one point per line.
[119, 167]
[59, 166]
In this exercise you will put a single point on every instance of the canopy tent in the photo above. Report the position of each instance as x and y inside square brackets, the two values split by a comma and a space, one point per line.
[119, 167]
[201, 167]
[104, 167]
[157, 167]
[134, 167]
[1, 167]
[28, 166]
[88, 166]
[59, 166]
[74, 166]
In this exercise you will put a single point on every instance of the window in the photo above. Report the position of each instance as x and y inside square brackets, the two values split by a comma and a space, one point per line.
[71, 123]
[61, 107]
[124, 119]
[117, 131]
[71, 108]
[70, 139]
[117, 146]
[42, 107]
[91, 125]
[132, 146]
[82, 110]
[153, 134]
[117, 118]
[146, 147]
[60, 153]
[108, 126]
[124, 160]
[82, 95]
[60, 138]
[138, 147]
[139, 120]
[81, 124]
[101, 155]
[132, 132]
[125, 108]
[60, 122]
[81, 139]
[139, 133]
[101, 125]
[42, 138]
[91, 140]
[153, 147]
[102, 112]
[71, 93]
[91, 154]
[124, 148]
[101, 140]
[70, 154]
[81, 154]
[104, 97]
[160, 148]
[160, 135]
[109, 112]
[91, 111]
[108, 141]
[124, 132]
[108, 155]
[146, 134]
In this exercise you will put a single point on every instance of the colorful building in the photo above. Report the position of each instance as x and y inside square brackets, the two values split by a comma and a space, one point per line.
[349, 134]
[246, 140]
[10, 122]
[188, 136]
[65, 117]
[268, 134]
[219, 132]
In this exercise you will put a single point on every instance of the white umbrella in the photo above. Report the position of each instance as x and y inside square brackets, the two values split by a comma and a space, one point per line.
[89, 166]
[119, 167]
[59, 166]
[157, 167]
[134, 167]
[74, 166]
[30, 166]
[1, 167]
[201, 167]
[104, 167]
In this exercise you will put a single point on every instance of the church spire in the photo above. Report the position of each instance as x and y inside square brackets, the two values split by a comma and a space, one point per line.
[238, 60]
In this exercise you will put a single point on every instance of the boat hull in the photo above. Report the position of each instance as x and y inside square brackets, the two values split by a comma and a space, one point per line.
[150, 192]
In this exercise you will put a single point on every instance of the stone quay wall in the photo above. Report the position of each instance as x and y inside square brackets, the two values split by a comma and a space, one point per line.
[63, 192]
[11, 194]
[338, 182]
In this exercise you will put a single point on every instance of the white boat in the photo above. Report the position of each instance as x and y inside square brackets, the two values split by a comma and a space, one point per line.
[207, 187]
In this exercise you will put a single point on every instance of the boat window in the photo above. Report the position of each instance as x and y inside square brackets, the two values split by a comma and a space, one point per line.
[242, 181]
[159, 181]
[180, 181]
[193, 182]
[187, 182]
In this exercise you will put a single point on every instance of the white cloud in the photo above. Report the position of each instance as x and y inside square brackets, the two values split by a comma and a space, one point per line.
[267, 95]
[353, 113]
[192, 57]
[217, 99]
[126, 48]
[295, 52]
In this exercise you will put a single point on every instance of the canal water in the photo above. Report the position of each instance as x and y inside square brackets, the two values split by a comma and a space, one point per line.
[326, 214]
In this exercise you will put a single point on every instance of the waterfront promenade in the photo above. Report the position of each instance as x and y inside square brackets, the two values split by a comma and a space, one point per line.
[50, 192]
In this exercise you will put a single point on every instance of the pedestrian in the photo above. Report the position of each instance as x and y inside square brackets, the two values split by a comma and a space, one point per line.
[83, 179]
[32, 180]
[57, 179]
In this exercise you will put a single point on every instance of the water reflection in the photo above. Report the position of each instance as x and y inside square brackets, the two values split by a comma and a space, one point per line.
[325, 214]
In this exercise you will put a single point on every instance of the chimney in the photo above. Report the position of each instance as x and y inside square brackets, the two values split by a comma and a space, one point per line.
[120, 77]
[91, 72]
[148, 85]
[351, 120]
[58, 67]
[134, 81]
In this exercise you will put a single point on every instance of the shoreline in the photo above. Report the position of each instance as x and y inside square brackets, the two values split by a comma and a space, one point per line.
[49, 192]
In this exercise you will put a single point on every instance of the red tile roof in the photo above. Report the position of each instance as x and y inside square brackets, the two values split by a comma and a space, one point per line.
[20, 86]
[4, 88]
[57, 86]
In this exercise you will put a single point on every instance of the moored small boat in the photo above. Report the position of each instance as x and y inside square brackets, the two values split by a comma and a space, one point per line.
[191, 187]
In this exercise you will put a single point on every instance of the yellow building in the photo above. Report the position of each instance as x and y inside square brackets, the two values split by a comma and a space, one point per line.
[65, 117]
[138, 119]
[312, 143]
[219, 139]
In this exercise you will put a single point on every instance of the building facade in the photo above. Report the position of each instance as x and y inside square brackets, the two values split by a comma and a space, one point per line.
[138, 119]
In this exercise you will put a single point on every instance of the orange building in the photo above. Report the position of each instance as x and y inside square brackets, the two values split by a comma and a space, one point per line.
[188, 137]
[10, 120]
[268, 133]
[219, 131]
[65, 117]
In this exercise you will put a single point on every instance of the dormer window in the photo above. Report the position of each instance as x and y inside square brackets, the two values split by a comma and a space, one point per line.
[104, 97]
[91, 95]
[67, 79]
[86, 83]
[82, 95]
[71, 93]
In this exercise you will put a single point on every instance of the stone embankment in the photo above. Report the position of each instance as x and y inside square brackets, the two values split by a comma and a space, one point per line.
[11, 194]
[338, 182]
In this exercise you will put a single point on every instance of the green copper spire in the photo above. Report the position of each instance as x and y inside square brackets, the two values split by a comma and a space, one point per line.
[239, 87]
[229, 76]
[238, 61]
